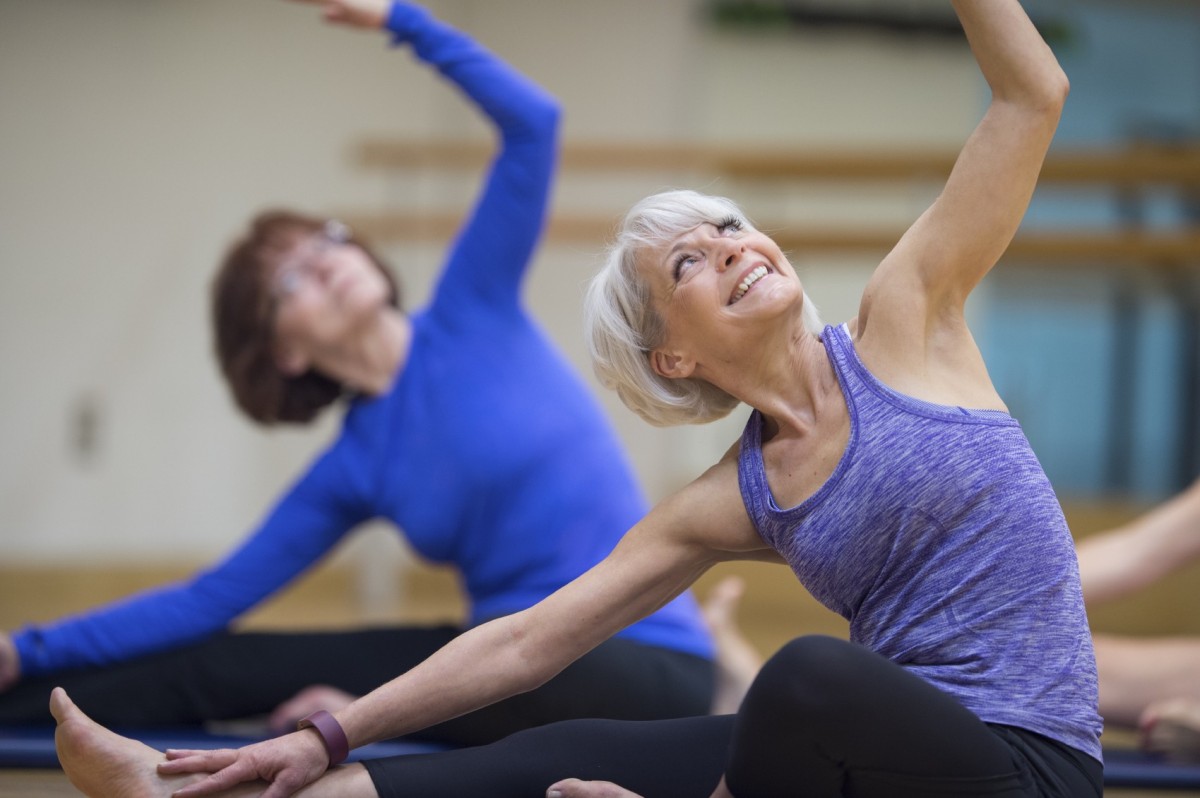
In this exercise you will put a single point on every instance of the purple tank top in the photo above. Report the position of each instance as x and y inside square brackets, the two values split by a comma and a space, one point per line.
[939, 538]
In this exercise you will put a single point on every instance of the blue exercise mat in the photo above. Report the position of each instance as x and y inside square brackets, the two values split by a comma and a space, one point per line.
[1130, 768]
[33, 747]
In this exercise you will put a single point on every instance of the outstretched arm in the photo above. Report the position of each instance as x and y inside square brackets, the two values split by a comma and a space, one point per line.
[304, 525]
[1130, 557]
[655, 562]
[950, 248]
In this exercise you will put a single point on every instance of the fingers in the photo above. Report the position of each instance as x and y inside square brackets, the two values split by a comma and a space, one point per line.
[355, 13]
[574, 788]
[217, 782]
[181, 760]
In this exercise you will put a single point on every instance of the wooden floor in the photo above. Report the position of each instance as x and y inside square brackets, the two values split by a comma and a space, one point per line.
[774, 610]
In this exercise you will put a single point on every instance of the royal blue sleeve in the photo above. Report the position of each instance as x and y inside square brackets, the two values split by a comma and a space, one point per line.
[310, 519]
[495, 245]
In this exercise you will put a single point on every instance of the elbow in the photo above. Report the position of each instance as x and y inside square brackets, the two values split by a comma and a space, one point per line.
[548, 117]
[1058, 86]
[1050, 94]
[1043, 94]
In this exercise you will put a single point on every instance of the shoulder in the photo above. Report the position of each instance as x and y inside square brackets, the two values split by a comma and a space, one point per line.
[709, 512]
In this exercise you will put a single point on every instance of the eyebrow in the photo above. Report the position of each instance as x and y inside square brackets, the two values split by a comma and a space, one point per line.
[670, 256]
[682, 243]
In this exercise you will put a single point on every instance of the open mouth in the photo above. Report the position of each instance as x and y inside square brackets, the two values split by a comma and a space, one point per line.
[755, 274]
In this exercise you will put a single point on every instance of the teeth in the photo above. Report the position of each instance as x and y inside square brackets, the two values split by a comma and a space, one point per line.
[751, 278]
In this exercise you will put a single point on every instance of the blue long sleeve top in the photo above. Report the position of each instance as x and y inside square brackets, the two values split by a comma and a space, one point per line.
[488, 452]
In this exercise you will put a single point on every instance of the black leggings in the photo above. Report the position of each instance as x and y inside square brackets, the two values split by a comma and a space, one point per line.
[823, 718]
[246, 675]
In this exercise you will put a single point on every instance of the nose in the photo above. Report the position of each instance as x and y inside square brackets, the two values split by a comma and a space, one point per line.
[321, 263]
[728, 253]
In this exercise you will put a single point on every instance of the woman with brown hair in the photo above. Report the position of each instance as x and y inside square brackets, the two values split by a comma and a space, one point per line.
[464, 427]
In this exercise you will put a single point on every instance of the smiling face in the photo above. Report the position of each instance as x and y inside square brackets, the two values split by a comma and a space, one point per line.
[715, 287]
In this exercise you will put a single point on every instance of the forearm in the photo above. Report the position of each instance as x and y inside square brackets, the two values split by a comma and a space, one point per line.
[487, 664]
[517, 105]
[1014, 59]
[1133, 556]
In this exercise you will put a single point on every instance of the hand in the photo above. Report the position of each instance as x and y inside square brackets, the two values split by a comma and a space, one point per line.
[355, 13]
[287, 763]
[1172, 727]
[10, 662]
[304, 703]
[574, 788]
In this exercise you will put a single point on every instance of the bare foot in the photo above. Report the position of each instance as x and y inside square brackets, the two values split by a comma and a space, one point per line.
[103, 764]
[738, 661]
[574, 788]
[1172, 727]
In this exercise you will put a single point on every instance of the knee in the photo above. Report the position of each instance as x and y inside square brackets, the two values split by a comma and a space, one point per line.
[811, 674]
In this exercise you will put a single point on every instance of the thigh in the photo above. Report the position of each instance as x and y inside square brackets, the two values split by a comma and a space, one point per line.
[619, 679]
[841, 720]
[679, 758]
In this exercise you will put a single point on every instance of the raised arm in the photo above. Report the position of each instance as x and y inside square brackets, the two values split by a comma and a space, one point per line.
[655, 562]
[495, 244]
[950, 248]
[1130, 557]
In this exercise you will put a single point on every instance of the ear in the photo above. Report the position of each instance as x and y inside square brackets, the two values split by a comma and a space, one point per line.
[671, 365]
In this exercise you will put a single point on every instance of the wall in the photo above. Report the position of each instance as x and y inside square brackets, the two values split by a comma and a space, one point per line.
[138, 136]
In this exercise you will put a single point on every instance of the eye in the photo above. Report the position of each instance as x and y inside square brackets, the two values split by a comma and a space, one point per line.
[287, 284]
[682, 262]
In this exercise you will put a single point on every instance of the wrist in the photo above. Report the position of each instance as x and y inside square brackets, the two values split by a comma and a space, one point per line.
[331, 733]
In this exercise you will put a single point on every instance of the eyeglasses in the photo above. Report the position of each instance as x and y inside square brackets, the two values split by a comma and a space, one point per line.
[297, 268]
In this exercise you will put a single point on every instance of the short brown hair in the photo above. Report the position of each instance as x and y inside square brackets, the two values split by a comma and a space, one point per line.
[241, 314]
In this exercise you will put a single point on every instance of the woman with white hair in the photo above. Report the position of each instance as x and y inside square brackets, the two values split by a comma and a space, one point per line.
[879, 464]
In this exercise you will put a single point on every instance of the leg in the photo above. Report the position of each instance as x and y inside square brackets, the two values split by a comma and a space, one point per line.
[227, 677]
[838, 720]
[102, 764]
[680, 758]
[619, 679]
[1137, 672]
[737, 660]
[243, 675]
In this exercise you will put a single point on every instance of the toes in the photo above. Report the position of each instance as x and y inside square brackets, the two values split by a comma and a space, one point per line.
[61, 706]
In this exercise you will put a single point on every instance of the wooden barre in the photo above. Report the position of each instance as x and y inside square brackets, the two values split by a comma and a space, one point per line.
[1168, 249]
[1135, 166]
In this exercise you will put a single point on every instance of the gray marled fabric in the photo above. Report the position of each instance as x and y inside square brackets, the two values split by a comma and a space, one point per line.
[940, 539]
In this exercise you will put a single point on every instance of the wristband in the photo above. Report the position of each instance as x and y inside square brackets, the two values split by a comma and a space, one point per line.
[332, 735]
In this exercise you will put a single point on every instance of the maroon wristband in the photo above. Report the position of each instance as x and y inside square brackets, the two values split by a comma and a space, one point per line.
[336, 744]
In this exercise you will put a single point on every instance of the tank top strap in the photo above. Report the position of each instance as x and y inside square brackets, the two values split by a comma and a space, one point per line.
[769, 519]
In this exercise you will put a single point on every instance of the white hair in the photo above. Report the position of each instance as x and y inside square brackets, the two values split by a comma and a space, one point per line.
[623, 328]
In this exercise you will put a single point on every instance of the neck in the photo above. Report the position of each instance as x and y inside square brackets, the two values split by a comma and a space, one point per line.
[371, 360]
[789, 381]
